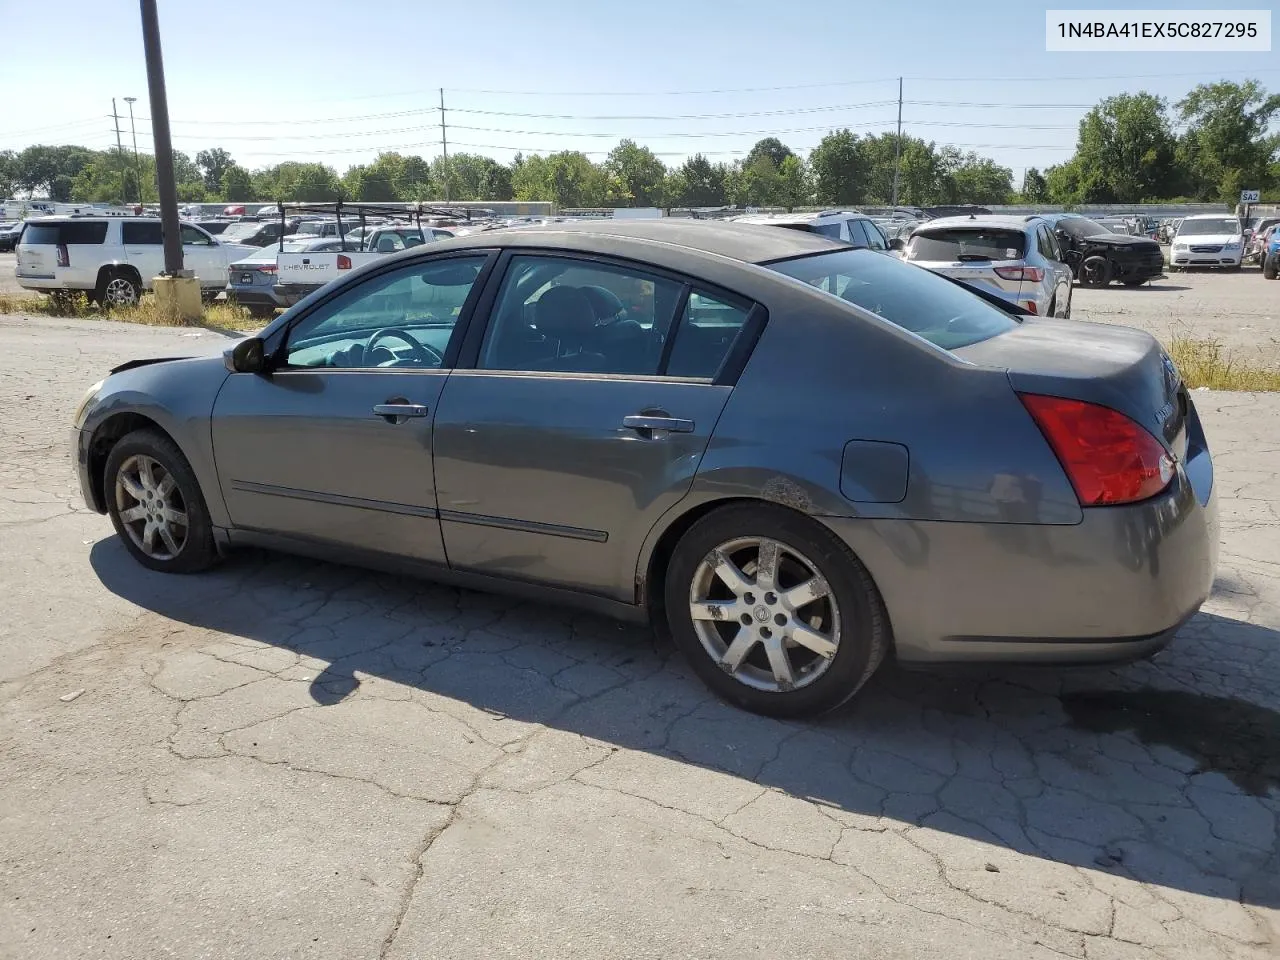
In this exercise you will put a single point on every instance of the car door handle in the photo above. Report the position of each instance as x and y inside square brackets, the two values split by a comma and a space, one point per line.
[399, 412]
[668, 424]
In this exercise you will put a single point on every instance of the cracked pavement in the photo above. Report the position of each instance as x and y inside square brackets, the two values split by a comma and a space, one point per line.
[286, 758]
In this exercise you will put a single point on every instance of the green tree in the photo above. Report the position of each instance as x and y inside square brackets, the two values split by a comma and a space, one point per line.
[8, 172]
[968, 178]
[213, 163]
[467, 175]
[237, 184]
[496, 183]
[297, 182]
[839, 169]
[567, 178]
[698, 183]
[1227, 145]
[1125, 149]
[794, 186]
[51, 170]
[638, 174]
[770, 148]
[1035, 189]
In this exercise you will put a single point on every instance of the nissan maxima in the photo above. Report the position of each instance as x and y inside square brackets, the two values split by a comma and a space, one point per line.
[797, 457]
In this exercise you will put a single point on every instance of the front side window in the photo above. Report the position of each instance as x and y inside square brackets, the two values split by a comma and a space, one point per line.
[403, 318]
[875, 239]
[195, 237]
[558, 314]
[940, 311]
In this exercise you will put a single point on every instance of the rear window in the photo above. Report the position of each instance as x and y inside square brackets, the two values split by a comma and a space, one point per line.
[967, 243]
[142, 233]
[65, 233]
[942, 312]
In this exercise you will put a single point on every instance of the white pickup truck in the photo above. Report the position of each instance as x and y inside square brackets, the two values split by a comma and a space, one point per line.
[298, 274]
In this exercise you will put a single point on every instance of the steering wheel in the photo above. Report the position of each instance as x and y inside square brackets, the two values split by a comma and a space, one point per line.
[418, 351]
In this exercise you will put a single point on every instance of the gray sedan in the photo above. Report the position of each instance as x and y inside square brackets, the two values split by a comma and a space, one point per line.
[796, 457]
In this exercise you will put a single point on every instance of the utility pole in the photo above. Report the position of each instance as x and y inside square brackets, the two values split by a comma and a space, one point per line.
[137, 164]
[897, 147]
[444, 141]
[124, 194]
[165, 183]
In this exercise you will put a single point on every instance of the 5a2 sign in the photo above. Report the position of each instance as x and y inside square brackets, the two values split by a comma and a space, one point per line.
[1249, 196]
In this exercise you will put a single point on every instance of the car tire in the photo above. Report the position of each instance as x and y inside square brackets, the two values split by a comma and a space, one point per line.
[845, 626]
[1095, 271]
[147, 484]
[1271, 266]
[116, 288]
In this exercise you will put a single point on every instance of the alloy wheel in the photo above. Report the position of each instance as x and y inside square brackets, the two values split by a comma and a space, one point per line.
[765, 614]
[151, 507]
[120, 292]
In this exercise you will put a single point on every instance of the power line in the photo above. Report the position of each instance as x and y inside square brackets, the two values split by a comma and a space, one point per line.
[679, 116]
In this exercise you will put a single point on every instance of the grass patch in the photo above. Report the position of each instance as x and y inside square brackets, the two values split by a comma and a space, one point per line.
[219, 315]
[1203, 363]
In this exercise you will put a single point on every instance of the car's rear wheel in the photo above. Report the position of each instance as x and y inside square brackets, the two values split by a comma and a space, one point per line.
[773, 611]
[118, 289]
[1095, 271]
[1271, 266]
[156, 505]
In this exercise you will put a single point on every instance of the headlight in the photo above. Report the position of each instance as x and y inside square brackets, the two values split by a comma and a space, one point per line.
[1179, 246]
[86, 402]
[1231, 245]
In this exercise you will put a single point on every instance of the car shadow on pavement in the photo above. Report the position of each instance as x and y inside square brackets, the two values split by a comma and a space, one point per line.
[1166, 772]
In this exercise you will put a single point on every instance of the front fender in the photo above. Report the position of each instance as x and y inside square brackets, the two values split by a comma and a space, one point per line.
[178, 398]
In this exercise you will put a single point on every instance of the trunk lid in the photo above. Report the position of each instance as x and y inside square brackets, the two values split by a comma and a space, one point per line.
[1117, 367]
[978, 273]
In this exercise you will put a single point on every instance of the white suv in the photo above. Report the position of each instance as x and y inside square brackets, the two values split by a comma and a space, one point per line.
[848, 225]
[113, 259]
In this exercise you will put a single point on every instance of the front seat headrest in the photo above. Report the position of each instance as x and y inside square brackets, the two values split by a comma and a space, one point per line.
[564, 313]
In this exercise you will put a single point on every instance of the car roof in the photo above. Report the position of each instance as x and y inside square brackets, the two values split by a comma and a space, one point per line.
[734, 241]
[978, 220]
[809, 217]
[1211, 216]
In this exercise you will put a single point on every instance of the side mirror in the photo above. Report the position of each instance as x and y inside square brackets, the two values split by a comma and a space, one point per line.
[247, 356]
[897, 244]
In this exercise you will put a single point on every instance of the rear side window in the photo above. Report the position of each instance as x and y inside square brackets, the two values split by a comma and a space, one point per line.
[142, 233]
[704, 336]
[967, 243]
[875, 239]
[942, 312]
[65, 233]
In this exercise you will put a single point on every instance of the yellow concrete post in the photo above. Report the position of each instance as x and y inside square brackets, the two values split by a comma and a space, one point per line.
[179, 296]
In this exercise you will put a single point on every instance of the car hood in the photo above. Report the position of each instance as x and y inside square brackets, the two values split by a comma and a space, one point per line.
[1218, 238]
[1120, 241]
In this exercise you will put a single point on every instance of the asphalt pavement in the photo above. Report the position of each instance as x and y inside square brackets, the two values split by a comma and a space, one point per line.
[293, 759]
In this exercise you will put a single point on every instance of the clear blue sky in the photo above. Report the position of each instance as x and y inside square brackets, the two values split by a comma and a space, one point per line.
[541, 75]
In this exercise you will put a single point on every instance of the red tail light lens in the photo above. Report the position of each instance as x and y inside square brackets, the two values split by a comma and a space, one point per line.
[1031, 305]
[268, 268]
[1108, 458]
[344, 262]
[1030, 274]
[64, 258]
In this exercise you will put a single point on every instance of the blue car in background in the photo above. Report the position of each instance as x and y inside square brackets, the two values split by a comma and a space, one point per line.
[1271, 254]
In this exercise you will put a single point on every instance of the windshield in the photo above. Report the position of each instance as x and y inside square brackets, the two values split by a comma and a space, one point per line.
[245, 228]
[1080, 227]
[1214, 227]
[942, 312]
[965, 244]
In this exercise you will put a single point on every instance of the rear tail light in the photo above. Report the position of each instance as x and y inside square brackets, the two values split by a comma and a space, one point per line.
[1030, 274]
[1031, 305]
[268, 268]
[344, 262]
[64, 258]
[1108, 458]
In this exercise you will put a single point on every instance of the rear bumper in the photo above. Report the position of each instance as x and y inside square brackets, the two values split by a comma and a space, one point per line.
[290, 293]
[254, 296]
[1114, 587]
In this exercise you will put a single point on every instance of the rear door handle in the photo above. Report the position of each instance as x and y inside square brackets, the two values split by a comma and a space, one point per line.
[399, 412]
[643, 422]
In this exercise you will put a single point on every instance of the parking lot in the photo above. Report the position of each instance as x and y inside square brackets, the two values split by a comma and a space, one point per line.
[292, 759]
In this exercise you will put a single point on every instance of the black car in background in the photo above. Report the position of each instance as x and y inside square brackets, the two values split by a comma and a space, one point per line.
[10, 230]
[1097, 255]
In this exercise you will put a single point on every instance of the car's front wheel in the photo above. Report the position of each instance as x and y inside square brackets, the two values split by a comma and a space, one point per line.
[1095, 271]
[156, 505]
[773, 611]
